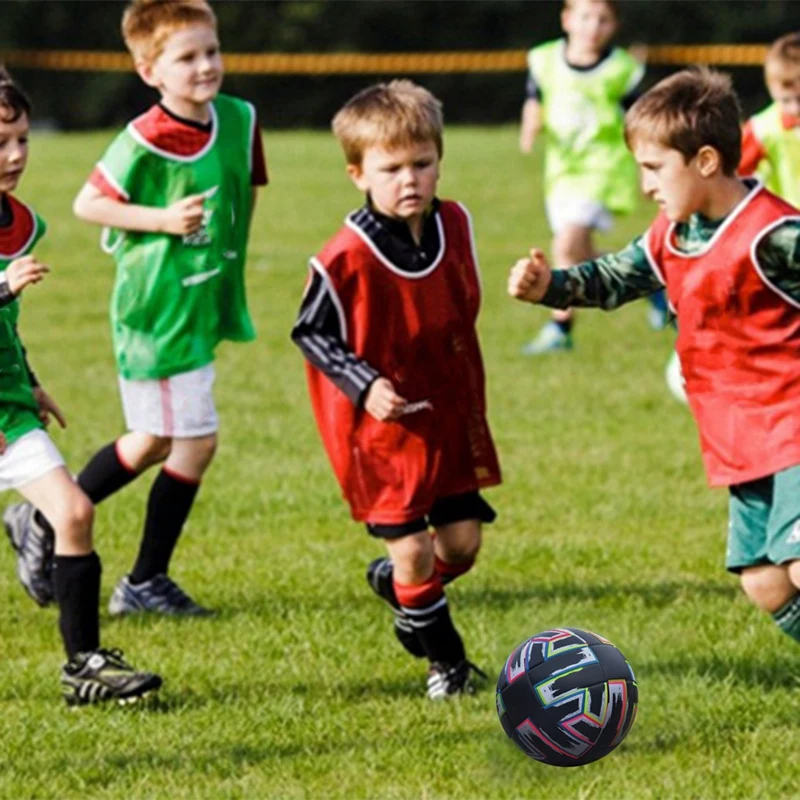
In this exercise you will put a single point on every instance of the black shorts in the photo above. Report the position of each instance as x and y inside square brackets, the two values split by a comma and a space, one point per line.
[444, 511]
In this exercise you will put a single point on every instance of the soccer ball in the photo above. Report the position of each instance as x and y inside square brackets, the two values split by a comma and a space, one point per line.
[566, 697]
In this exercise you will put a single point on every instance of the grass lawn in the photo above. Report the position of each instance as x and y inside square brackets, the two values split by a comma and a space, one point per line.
[297, 688]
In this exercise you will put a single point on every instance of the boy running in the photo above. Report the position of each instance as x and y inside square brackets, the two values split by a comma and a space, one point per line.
[578, 89]
[30, 462]
[175, 192]
[387, 326]
[728, 252]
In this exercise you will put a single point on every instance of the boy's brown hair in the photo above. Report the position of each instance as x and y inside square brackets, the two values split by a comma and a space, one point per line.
[14, 102]
[390, 115]
[147, 24]
[689, 110]
[783, 58]
[613, 5]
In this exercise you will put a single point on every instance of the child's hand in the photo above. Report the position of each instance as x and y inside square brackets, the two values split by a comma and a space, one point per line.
[23, 271]
[530, 277]
[48, 406]
[184, 216]
[383, 402]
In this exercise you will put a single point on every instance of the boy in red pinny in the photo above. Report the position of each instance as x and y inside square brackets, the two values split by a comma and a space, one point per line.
[395, 375]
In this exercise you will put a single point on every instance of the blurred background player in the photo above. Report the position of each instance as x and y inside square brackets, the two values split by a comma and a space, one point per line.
[176, 191]
[578, 89]
[728, 252]
[387, 325]
[771, 138]
[30, 462]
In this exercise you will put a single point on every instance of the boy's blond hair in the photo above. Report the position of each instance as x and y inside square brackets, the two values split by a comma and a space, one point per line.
[389, 115]
[689, 110]
[783, 58]
[147, 24]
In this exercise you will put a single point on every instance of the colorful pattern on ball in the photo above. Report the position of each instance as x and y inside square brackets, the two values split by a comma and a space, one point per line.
[566, 697]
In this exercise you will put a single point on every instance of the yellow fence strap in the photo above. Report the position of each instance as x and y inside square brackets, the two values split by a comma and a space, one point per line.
[377, 63]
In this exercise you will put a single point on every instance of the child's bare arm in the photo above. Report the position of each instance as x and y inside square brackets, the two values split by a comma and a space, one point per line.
[531, 124]
[48, 407]
[181, 218]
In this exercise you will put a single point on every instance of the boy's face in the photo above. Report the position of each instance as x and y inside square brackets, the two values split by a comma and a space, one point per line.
[590, 25]
[189, 68]
[13, 150]
[785, 91]
[401, 181]
[678, 188]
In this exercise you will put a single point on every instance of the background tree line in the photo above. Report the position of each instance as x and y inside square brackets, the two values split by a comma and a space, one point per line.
[74, 100]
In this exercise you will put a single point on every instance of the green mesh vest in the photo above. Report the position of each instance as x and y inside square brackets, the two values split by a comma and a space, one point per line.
[586, 156]
[780, 171]
[19, 413]
[175, 298]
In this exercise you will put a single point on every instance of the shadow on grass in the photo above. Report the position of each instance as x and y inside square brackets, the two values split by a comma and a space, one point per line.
[778, 673]
[653, 595]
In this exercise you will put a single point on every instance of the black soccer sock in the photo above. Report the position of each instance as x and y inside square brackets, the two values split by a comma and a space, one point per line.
[76, 584]
[565, 326]
[105, 474]
[169, 504]
[425, 605]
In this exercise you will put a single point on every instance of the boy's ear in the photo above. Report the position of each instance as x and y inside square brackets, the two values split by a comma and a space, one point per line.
[145, 71]
[709, 161]
[356, 175]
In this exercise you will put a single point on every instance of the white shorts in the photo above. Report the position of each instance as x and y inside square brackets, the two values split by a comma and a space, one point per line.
[28, 458]
[570, 210]
[181, 406]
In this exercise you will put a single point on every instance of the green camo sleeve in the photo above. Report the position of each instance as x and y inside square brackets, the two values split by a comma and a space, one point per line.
[778, 257]
[606, 282]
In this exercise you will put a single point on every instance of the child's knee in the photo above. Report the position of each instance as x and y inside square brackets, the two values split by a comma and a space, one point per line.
[156, 448]
[413, 558]
[73, 526]
[459, 542]
[769, 587]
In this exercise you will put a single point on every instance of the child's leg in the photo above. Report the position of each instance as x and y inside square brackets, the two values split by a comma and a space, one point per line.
[776, 590]
[457, 522]
[420, 592]
[76, 567]
[572, 243]
[171, 498]
[765, 540]
[115, 465]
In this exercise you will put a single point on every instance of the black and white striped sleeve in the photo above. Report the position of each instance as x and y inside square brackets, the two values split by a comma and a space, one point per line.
[318, 333]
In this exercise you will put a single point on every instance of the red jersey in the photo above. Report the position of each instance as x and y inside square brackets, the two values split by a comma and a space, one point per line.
[738, 342]
[417, 329]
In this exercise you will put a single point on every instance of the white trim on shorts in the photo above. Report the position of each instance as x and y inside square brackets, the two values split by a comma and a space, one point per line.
[27, 459]
[565, 210]
[181, 406]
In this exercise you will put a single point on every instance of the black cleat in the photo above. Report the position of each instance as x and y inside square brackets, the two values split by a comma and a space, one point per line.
[34, 545]
[379, 577]
[103, 675]
[446, 680]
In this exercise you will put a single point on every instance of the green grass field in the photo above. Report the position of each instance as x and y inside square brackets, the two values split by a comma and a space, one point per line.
[297, 688]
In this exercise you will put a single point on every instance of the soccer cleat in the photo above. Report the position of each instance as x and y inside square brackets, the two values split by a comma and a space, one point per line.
[102, 675]
[550, 339]
[379, 577]
[160, 595]
[34, 545]
[446, 680]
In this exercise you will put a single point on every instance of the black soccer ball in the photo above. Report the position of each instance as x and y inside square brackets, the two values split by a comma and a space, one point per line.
[566, 697]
